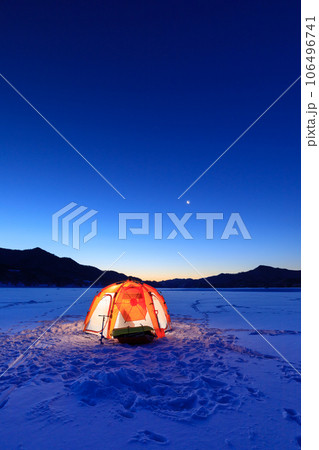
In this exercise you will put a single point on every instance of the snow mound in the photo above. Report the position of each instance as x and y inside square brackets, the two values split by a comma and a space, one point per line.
[184, 376]
[191, 375]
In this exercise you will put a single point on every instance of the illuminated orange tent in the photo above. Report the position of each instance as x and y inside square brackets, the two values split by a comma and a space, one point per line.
[130, 311]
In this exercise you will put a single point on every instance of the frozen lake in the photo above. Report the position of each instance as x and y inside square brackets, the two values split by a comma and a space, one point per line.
[212, 383]
[278, 308]
[265, 309]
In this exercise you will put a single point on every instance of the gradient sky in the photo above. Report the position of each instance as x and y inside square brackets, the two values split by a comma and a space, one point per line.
[152, 93]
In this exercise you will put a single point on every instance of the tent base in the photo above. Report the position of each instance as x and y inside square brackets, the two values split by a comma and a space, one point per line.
[136, 338]
[134, 335]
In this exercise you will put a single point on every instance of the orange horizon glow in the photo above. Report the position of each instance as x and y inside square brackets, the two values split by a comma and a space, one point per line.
[149, 276]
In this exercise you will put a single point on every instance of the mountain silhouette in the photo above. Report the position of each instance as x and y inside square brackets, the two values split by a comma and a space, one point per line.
[262, 276]
[37, 267]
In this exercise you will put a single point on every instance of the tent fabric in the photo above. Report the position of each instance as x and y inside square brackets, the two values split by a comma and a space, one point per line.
[127, 305]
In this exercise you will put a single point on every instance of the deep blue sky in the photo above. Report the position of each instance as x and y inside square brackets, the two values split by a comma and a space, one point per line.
[152, 92]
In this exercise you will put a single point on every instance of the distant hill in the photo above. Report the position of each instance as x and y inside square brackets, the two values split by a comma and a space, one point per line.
[36, 267]
[262, 276]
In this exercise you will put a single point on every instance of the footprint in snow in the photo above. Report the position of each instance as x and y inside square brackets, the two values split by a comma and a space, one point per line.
[148, 437]
[291, 414]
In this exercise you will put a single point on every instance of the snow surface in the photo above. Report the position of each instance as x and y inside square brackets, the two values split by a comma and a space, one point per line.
[211, 383]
